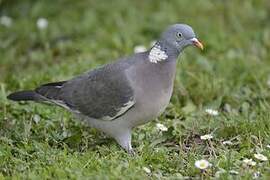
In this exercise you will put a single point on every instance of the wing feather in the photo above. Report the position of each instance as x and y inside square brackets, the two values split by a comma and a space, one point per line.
[103, 93]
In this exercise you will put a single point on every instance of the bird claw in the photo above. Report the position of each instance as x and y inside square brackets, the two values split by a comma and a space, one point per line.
[131, 152]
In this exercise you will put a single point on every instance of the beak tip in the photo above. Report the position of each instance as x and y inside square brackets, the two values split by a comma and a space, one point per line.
[202, 48]
[197, 43]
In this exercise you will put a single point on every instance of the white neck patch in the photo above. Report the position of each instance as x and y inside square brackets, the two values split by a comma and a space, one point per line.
[156, 54]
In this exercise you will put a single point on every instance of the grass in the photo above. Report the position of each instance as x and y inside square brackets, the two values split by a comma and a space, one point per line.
[39, 141]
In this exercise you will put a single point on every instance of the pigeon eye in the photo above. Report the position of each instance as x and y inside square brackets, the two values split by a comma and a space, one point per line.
[179, 34]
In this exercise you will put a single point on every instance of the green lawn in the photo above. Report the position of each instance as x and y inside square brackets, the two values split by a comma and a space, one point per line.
[232, 76]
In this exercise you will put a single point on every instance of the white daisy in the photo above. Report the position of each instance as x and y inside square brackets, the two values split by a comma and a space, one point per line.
[139, 49]
[206, 137]
[211, 112]
[161, 127]
[5, 21]
[260, 157]
[202, 164]
[147, 170]
[42, 23]
[249, 162]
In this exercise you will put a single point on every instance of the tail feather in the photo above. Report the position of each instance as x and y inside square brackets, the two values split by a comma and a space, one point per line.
[24, 96]
[46, 92]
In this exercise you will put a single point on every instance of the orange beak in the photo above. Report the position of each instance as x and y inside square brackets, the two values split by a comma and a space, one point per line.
[197, 43]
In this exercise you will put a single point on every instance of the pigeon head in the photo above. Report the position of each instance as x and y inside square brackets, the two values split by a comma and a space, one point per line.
[180, 36]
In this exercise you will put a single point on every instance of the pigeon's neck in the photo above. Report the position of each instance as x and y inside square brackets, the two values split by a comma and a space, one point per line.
[162, 51]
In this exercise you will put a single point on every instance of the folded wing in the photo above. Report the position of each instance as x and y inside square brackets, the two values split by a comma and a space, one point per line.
[103, 93]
